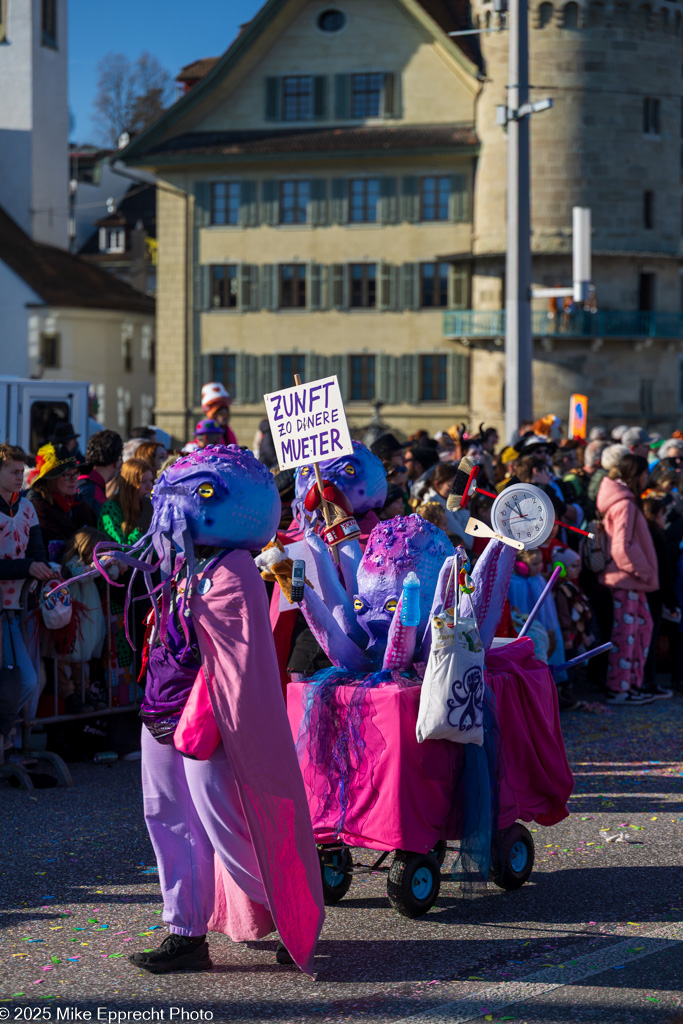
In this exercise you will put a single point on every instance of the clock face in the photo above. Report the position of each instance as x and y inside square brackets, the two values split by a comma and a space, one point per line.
[524, 513]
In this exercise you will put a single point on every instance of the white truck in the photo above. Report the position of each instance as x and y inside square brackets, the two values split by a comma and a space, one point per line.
[30, 410]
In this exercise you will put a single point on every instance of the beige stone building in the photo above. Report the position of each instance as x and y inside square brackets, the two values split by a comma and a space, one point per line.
[332, 200]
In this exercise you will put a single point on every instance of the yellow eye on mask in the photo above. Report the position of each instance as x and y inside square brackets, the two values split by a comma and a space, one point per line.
[390, 606]
[439, 623]
[358, 605]
[350, 470]
[205, 491]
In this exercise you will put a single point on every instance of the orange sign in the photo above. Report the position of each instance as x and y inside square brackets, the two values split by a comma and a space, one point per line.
[578, 417]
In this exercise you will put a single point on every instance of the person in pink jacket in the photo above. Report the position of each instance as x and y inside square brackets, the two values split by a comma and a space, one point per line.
[631, 573]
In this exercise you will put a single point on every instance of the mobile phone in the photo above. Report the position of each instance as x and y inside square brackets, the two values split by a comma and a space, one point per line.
[298, 580]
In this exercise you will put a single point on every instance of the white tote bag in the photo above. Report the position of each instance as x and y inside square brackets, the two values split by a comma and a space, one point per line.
[452, 696]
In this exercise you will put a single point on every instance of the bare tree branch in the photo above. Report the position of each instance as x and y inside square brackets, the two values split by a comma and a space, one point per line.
[129, 96]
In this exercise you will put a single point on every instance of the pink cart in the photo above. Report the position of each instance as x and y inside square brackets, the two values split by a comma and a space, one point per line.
[400, 795]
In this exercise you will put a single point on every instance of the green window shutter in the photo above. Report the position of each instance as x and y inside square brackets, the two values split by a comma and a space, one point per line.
[410, 199]
[459, 379]
[273, 99]
[410, 285]
[320, 97]
[339, 286]
[409, 379]
[202, 277]
[316, 366]
[267, 374]
[248, 205]
[268, 286]
[386, 367]
[253, 288]
[247, 287]
[340, 201]
[459, 281]
[201, 372]
[270, 213]
[387, 286]
[460, 198]
[202, 204]
[338, 366]
[318, 203]
[342, 97]
[390, 95]
[388, 207]
[315, 286]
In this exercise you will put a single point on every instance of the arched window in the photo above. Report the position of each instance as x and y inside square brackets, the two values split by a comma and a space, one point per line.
[622, 14]
[570, 17]
[596, 14]
[677, 22]
[487, 19]
[545, 15]
[664, 19]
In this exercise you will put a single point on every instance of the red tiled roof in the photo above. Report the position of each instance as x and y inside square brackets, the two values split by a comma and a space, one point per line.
[197, 69]
[320, 140]
[61, 279]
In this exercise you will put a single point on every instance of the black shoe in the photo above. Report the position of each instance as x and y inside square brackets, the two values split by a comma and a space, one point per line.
[657, 691]
[176, 953]
[282, 954]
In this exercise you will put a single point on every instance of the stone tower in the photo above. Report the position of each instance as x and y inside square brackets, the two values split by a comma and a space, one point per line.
[34, 117]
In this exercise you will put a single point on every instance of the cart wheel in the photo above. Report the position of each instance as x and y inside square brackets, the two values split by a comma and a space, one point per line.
[336, 875]
[440, 850]
[513, 857]
[413, 882]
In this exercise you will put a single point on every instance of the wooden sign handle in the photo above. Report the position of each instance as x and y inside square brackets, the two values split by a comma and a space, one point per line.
[319, 480]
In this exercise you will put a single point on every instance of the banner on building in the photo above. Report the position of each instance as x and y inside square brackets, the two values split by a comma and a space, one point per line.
[308, 423]
[578, 417]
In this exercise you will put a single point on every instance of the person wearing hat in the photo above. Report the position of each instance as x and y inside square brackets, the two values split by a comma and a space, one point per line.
[388, 449]
[53, 493]
[637, 440]
[64, 434]
[208, 432]
[216, 403]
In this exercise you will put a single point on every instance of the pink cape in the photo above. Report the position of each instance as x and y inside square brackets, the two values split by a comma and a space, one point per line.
[238, 657]
[401, 796]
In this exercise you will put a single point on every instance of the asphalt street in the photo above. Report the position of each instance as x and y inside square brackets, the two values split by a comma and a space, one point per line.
[596, 935]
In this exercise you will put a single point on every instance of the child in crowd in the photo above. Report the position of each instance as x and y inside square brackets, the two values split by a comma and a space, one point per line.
[526, 586]
[435, 514]
[574, 611]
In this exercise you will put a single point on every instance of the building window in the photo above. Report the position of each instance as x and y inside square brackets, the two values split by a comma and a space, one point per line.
[292, 285]
[363, 285]
[363, 200]
[650, 116]
[294, 196]
[545, 15]
[362, 378]
[50, 351]
[153, 356]
[225, 202]
[649, 209]
[289, 366]
[49, 23]
[433, 285]
[223, 284]
[297, 98]
[366, 95]
[3, 21]
[433, 378]
[646, 293]
[331, 21]
[127, 352]
[647, 405]
[224, 369]
[570, 17]
[435, 194]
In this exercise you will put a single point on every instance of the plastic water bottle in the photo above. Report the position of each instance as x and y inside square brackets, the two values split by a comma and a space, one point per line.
[410, 609]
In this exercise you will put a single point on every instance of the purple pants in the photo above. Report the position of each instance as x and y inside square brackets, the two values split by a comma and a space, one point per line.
[193, 808]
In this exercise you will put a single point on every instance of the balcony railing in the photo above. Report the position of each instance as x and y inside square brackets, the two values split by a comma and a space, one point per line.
[606, 323]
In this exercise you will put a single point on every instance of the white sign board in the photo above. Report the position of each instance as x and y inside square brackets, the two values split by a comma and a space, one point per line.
[308, 423]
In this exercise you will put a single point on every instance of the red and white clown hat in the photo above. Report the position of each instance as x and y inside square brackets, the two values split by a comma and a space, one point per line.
[213, 392]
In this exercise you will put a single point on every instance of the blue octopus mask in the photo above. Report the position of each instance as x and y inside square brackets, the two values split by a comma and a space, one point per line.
[360, 476]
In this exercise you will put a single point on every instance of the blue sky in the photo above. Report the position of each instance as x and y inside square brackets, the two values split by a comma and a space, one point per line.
[173, 30]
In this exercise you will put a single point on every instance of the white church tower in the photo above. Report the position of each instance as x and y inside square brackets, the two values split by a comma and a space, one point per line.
[34, 117]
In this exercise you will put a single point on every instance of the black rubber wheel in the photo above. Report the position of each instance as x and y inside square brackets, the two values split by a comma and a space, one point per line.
[413, 882]
[512, 857]
[336, 875]
[440, 850]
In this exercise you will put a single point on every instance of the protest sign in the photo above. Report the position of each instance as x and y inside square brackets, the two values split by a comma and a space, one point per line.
[308, 423]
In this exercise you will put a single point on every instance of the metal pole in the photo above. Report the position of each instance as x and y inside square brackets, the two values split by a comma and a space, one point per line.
[518, 342]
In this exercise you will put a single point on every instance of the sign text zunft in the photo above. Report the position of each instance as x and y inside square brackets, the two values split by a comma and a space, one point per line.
[308, 423]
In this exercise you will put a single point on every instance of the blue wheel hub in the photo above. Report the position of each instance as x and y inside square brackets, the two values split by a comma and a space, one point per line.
[519, 857]
[422, 884]
[333, 875]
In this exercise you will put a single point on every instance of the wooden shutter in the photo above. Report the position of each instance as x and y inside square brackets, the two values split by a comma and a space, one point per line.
[390, 95]
[268, 374]
[340, 200]
[460, 198]
[410, 199]
[318, 205]
[342, 97]
[409, 379]
[339, 286]
[459, 297]
[270, 212]
[459, 379]
[247, 287]
[339, 366]
[315, 286]
[320, 97]
[268, 286]
[248, 205]
[410, 285]
[202, 201]
[316, 366]
[202, 284]
[385, 378]
[388, 204]
[387, 285]
[273, 93]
